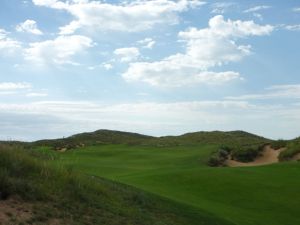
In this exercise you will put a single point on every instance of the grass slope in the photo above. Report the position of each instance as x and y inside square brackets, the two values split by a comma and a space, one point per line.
[55, 195]
[243, 196]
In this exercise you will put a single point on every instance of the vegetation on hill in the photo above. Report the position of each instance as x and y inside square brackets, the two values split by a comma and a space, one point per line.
[278, 144]
[238, 138]
[94, 138]
[292, 149]
[55, 195]
[213, 137]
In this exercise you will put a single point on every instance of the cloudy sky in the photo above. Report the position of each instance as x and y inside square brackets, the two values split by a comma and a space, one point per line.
[157, 67]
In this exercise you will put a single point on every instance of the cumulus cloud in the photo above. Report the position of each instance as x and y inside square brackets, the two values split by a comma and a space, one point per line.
[29, 26]
[51, 3]
[147, 43]
[57, 51]
[257, 8]
[107, 66]
[7, 44]
[129, 16]
[205, 49]
[166, 74]
[127, 54]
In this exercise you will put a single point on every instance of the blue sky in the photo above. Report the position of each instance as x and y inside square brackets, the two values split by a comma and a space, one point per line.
[157, 67]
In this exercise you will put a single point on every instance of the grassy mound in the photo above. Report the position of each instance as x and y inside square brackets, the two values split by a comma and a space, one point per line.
[94, 138]
[60, 195]
[118, 137]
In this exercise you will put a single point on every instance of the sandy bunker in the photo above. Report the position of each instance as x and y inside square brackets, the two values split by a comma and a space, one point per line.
[268, 156]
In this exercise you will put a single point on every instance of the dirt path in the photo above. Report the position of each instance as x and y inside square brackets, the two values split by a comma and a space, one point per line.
[268, 156]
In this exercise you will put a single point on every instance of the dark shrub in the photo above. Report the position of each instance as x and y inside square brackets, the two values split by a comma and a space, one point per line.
[245, 154]
[219, 157]
[279, 144]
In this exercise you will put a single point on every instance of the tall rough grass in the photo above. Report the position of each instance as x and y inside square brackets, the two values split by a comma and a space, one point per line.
[292, 149]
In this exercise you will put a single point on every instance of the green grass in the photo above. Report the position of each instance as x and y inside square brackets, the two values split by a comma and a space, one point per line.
[244, 196]
[57, 192]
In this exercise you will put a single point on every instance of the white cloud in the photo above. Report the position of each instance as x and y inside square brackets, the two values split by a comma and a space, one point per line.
[166, 74]
[29, 26]
[228, 29]
[127, 54]
[156, 118]
[10, 86]
[205, 49]
[129, 16]
[107, 66]
[57, 51]
[51, 3]
[295, 27]
[36, 94]
[296, 9]
[222, 7]
[8, 45]
[273, 92]
[257, 8]
[147, 43]
[258, 15]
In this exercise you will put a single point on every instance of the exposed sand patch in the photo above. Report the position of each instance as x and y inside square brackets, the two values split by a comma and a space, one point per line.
[14, 211]
[268, 156]
[296, 157]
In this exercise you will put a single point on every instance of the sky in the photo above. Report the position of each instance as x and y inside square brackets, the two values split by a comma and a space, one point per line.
[157, 67]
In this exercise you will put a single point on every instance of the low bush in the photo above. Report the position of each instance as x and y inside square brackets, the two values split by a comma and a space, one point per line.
[245, 154]
[219, 157]
[279, 144]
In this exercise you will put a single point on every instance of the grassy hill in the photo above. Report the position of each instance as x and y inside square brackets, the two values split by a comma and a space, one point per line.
[95, 138]
[242, 196]
[34, 192]
[213, 137]
[119, 137]
[168, 177]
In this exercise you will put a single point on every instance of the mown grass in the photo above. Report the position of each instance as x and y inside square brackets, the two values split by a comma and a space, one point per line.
[57, 192]
[244, 196]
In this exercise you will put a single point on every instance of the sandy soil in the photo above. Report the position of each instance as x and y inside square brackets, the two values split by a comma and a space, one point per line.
[296, 157]
[268, 156]
[14, 211]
